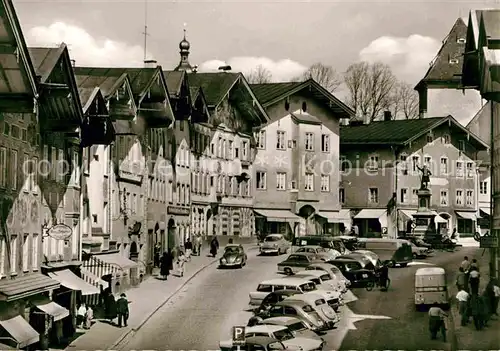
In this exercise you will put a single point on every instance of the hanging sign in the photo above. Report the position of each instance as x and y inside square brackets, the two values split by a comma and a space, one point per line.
[60, 232]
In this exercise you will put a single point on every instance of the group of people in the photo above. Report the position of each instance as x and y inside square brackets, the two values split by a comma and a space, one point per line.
[84, 316]
[115, 308]
[471, 303]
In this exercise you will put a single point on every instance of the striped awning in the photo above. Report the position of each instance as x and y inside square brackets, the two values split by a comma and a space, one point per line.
[278, 215]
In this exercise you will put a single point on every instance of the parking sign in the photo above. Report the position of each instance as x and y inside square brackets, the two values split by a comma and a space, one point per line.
[238, 336]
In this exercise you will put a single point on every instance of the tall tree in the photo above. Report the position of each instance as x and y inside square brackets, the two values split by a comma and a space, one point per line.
[325, 75]
[405, 101]
[259, 75]
[370, 88]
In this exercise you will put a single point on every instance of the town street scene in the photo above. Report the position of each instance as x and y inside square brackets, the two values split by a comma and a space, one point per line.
[207, 176]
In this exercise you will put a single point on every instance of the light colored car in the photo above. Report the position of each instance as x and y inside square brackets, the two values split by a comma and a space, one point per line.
[325, 254]
[370, 255]
[267, 286]
[322, 287]
[274, 244]
[339, 283]
[297, 326]
[317, 301]
[419, 252]
[330, 268]
[281, 333]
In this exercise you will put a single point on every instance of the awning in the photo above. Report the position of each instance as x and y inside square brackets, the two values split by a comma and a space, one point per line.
[71, 281]
[53, 309]
[486, 210]
[438, 218]
[26, 285]
[466, 215]
[278, 215]
[21, 331]
[117, 259]
[408, 213]
[342, 216]
[88, 275]
[373, 213]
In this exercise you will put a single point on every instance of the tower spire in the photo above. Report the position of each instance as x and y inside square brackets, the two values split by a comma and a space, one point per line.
[184, 47]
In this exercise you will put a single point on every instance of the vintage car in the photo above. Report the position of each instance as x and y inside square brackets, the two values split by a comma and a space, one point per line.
[259, 343]
[419, 251]
[297, 326]
[333, 270]
[233, 256]
[297, 262]
[353, 268]
[323, 253]
[281, 333]
[369, 255]
[350, 242]
[298, 309]
[319, 304]
[272, 285]
[323, 287]
[274, 244]
[274, 297]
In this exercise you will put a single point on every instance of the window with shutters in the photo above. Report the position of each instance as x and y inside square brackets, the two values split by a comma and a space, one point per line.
[26, 253]
[280, 140]
[13, 254]
[261, 180]
[309, 144]
[3, 167]
[309, 182]
[13, 164]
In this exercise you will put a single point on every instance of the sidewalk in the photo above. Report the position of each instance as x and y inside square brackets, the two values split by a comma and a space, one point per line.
[468, 242]
[146, 299]
[468, 338]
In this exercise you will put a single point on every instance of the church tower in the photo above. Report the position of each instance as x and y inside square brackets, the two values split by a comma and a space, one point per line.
[184, 65]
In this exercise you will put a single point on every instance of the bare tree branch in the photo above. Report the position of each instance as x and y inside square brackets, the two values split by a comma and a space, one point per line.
[406, 98]
[326, 76]
[259, 75]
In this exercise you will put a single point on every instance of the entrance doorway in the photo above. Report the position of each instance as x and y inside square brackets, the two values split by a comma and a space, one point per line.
[210, 224]
[171, 234]
[133, 252]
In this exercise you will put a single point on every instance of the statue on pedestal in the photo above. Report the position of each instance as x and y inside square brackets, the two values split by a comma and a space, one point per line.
[425, 179]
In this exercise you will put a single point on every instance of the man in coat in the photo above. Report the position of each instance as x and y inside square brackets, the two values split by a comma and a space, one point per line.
[122, 310]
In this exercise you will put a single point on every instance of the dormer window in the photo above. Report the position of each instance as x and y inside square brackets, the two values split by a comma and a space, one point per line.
[461, 40]
[446, 139]
[430, 138]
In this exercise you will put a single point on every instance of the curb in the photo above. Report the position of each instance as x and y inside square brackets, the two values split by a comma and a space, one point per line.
[165, 301]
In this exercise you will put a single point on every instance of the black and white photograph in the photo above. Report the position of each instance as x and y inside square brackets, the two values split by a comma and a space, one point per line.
[254, 175]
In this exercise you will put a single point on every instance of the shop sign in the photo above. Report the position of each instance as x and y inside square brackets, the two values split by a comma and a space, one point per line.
[60, 232]
[177, 210]
[488, 242]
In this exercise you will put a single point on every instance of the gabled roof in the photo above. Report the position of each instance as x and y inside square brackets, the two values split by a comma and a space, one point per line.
[19, 60]
[215, 85]
[88, 95]
[174, 81]
[399, 132]
[480, 124]
[442, 72]
[108, 84]
[271, 93]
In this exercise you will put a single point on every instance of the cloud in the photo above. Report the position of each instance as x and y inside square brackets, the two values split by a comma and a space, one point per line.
[85, 49]
[409, 58]
[281, 70]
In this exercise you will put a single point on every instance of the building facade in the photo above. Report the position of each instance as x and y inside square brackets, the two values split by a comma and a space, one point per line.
[380, 186]
[296, 170]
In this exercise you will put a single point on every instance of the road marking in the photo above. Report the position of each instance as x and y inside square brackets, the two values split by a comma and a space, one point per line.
[418, 263]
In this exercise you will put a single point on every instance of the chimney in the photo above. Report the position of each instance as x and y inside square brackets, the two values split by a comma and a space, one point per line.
[73, 63]
[366, 118]
[150, 63]
[387, 116]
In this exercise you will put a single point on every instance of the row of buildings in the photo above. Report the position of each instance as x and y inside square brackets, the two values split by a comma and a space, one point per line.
[102, 168]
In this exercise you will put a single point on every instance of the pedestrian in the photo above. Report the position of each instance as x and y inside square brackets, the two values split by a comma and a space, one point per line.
[465, 264]
[157, 259]
[189, 249]
[474, 277]
[198, 244]
[89, 316]
[489, 293]
[476, 311]
[110, 307]
[496, 291]
[384, 276]
[463, 302]
[460, 281]
[485, 310]
[454, 234]
[181, 260]
[80, 315]
[436, 321]
[122, 310]
[166, 264]
[214, 246]
[474, 265]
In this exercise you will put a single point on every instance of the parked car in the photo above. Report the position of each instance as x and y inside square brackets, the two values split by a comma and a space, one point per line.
[267, 286]
[297, 326]
[274, 244]
[283, 334]
[297, 262]
[350, 242]
[275, 297]
[354, 269]
[342, 282]
[391, 251]
[419, 251]
[234, 256]
[417, 241]
[322, 287]
[259, 343]
[331, 242]
[298, 309]
[324, 254]
[319, 304]
[369, 255]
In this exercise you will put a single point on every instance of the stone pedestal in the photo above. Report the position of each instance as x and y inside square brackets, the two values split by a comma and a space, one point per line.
[424, 217]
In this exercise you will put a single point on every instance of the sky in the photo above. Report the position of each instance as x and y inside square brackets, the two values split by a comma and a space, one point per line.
[283, 36]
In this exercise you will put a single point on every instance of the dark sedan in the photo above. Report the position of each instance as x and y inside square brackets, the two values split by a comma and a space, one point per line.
[233, 256]
[357, 270]
[297, 262]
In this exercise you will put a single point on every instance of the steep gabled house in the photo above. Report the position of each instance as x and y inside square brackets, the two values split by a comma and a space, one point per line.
[380, 165]
[297, 184]
[445, 70]
[132, 161]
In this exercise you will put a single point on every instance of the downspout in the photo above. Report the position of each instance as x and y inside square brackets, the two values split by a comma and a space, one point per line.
[396, 164]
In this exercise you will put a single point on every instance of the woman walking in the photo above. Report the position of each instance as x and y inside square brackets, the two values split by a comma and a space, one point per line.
[181, 260]
[166, 264]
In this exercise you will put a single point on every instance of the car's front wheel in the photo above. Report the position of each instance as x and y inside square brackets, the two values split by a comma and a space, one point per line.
[288, 271]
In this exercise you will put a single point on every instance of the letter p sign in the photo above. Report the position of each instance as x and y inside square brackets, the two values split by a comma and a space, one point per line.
[238, 336]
